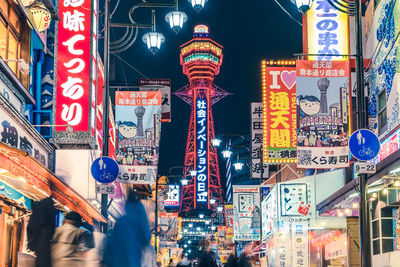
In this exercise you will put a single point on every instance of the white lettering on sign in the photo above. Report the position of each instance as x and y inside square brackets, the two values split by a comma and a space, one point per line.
[202, 143]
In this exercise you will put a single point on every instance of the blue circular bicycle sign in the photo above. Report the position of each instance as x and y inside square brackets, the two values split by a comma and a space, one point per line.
[364, 145]
[105, 170]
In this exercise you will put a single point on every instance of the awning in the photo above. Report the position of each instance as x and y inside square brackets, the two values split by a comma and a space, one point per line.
[22, 172]
[384, 168]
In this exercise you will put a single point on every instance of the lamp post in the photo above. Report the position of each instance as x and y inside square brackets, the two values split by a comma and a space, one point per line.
[355, 9]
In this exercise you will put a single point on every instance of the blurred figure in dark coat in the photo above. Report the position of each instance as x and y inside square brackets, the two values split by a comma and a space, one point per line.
[130, 236]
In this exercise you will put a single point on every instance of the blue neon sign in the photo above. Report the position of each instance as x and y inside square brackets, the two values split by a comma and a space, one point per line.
[202, 147]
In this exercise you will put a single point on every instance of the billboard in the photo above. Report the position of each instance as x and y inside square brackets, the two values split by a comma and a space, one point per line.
[163, 85]
[257, 140]
[173, 195]
[229, 215]
[323, 119]
[279, 114]
[246, 203]
[137, 116]
[74, 89]
[327, 32]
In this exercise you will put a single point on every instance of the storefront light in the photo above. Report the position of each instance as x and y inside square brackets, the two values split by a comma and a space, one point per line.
[385, 191]
[355, 205]
[41, 16]
[339, 213]
[348, 211]
[176, 19]
[397, 183]
[374, 195]
[153, 40]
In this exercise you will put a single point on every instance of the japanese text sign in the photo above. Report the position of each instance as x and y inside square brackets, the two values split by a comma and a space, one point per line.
[246, 203]
[279, 118]
[138, 134]
[269, 211]
[323, 114]
[163, 85]
[202, 148]
[327, 32]
[172, 196]
[257, 141]
[295, 199]
[74, 61]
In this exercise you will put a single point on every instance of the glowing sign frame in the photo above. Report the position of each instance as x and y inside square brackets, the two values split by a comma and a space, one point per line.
[202, 150]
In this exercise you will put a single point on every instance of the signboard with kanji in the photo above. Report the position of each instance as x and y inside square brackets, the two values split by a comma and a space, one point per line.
[295, 199]
[323, 114]
[257, 141]
[279, 116]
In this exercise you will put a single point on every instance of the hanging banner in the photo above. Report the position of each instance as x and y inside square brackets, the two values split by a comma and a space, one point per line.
[246, 203]
[279, 116]
[224, 238]
[169, 227]
[257, 140]
[229, 215]
[323, 114]
[300, 256]
[172, 196]
[163, 85]
[269, 211]
[137, 115]
[327, 32]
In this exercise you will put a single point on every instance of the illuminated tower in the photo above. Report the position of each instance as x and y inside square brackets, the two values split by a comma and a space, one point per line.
[201, 59]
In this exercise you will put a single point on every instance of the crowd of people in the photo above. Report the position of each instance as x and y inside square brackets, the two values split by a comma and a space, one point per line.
[322, 139]
[128, 244]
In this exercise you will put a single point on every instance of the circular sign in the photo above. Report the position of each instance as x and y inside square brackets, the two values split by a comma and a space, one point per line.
[364, 145]
[105, 170]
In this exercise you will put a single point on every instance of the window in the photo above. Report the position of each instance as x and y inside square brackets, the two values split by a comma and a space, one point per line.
[14, 38]
[382, 115]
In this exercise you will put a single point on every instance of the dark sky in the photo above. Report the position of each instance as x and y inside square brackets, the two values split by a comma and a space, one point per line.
[249, 30]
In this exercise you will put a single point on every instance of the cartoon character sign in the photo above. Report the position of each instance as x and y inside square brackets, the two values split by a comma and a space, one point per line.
[309, 105]
[127, 129]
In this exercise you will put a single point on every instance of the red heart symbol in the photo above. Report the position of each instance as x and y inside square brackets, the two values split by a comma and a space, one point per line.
[288, 78]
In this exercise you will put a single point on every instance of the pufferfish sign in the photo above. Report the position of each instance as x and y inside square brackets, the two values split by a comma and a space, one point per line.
[323, 114]
[138, 119]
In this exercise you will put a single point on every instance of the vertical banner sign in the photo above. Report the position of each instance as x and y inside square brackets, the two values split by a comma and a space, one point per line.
[246, 203]
[323, 119]
[163, 85]
[327, 32]
[169, 226]
[257, 140]
[300, 244]
[202, 146]
[229, 215]
[172, 196]
[279, 118]
[269, 207]
[73, 65]
[137, 115]
[283, 248]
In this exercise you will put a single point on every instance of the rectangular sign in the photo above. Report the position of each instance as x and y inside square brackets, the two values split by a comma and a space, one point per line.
[323, 114]
[327, 32]
[163, 85]
[173, 196]
[105, 189]
[229, 215]
[257, 141]
[74, 61]
[364, 167]
[202, 150]
[137, 116]
[279, 116]
[269, 211]
[300, 253]
[169, 226]
[246, 203]
[295, 200]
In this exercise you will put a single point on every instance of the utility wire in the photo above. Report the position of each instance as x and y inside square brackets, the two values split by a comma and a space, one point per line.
[144, 76]
[295, 20]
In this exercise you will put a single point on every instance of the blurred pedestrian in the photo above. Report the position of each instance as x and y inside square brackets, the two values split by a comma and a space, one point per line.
[184, 262]
[70, 243]
[244, 260]
[232, 261]
[40, 230]
[130, 237]
[171, 263]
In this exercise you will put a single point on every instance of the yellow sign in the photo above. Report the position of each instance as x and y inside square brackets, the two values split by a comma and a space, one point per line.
[327, 32]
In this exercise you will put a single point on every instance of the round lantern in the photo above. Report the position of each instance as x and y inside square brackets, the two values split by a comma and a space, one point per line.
[27, 3]
[41, 16]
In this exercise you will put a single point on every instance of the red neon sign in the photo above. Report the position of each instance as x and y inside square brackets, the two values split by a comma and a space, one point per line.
[73, 64]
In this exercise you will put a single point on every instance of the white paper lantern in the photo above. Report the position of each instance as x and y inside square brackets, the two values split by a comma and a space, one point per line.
[41, 16]
[26, 3]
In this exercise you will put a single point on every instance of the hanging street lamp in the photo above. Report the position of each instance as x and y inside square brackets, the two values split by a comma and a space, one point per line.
[153, 40]
[226, 154]
[176, 19]
[303, 5]
[198, 4]
[238, 166]
[216, 142]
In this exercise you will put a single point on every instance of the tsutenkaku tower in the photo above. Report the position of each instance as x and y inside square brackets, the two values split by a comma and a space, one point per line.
[201, 59]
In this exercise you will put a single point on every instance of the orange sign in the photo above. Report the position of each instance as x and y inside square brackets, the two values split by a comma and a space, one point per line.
[140, 98]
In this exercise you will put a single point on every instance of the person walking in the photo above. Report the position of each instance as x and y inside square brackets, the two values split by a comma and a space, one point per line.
[70, 243]
[130, 237]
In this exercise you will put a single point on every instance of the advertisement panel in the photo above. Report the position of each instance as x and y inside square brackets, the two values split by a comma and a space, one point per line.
[323, 114]
[279, 114]
[327, 32]
[257, 140]
[137, 116]
[300, 256]
[295, 200]
[74, 65]
[173, 196]
[229, 215]
[169, 226]
[246, 203]
[163, 85]
[269, 207]
[224, 238]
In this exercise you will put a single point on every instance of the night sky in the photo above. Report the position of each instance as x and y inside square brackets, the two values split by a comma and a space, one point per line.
[249, 31]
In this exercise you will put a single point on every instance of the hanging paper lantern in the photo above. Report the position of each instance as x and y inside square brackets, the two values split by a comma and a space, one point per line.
[27, 3]
[41, 16]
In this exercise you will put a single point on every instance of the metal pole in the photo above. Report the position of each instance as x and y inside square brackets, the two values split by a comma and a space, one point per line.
[365, 243]
[106, 96]
[156, 218]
